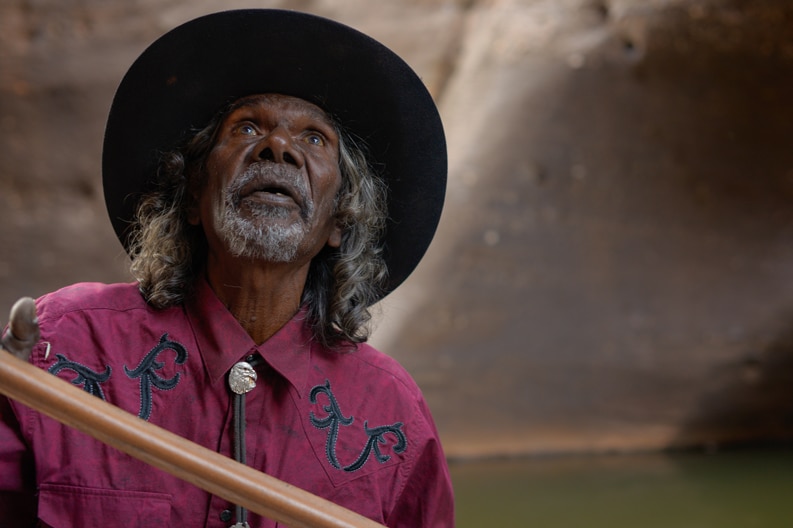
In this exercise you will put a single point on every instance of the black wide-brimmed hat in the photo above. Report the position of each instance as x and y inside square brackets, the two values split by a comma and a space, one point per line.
[192, 72]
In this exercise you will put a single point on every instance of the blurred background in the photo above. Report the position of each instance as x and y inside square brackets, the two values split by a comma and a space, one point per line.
[603, 326]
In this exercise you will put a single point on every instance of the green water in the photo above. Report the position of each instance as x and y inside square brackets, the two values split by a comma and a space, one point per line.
[744, 489]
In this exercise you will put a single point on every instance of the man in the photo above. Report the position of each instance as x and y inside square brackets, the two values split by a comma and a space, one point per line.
[272, 174]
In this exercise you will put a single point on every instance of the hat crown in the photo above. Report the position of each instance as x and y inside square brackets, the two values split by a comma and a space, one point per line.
[189, 74]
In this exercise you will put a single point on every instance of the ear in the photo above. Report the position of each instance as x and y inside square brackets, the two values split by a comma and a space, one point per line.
[334, 239]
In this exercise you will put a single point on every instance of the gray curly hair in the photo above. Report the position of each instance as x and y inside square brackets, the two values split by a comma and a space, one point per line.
[168, 252]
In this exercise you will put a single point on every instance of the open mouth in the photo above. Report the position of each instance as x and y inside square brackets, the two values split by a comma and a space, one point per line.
[274, 190]
[270, 182]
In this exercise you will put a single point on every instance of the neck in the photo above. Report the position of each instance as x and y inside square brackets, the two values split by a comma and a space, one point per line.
[263, 297]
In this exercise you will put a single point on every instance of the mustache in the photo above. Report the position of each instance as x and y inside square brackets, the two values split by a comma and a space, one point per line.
[271, 177]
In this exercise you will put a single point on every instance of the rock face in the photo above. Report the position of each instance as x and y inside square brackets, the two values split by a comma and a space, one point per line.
[614, 267]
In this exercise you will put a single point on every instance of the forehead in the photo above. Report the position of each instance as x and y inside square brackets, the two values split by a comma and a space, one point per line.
[281, 104]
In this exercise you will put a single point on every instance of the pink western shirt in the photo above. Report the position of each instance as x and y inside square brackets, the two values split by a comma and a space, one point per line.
[351, 427]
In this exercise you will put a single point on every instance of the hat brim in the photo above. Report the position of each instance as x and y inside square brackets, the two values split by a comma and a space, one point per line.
[189, 74]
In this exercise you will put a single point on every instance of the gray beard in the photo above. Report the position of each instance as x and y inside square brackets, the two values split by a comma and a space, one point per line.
[255, 237]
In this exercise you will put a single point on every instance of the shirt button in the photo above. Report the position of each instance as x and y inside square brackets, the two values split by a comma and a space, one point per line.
[250, 358]
[225, 515]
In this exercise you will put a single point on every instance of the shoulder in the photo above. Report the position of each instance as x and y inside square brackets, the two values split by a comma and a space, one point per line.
[88, 296]
[378, 368]
[91, 330]
[86, 321]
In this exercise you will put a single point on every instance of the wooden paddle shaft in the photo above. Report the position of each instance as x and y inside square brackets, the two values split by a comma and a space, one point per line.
[210, 471]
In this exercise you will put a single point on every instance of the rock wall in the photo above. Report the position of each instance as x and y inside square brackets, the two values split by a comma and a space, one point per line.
[613, 268]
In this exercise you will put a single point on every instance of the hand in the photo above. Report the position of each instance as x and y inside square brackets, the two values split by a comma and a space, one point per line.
[23, 329]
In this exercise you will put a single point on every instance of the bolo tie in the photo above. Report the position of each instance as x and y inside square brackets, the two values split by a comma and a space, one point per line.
[242, 380]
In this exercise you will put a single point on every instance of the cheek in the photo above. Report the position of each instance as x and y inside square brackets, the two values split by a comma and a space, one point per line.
[222, 161]
[218, 170]
[213, 167]
[329, 181]
[335, 232]
[212, 205]
[328, 201]
[208, 205]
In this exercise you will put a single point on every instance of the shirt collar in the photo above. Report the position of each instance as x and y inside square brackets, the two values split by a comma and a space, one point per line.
[222, 341]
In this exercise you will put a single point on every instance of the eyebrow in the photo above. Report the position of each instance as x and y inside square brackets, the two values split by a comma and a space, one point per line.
[316, 111]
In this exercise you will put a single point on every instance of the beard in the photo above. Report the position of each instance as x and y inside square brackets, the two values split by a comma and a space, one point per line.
[261, 234]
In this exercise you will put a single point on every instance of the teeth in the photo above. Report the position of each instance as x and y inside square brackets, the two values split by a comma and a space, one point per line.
[275, 191]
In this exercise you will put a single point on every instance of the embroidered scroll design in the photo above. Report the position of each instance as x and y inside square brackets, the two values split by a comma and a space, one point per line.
[86, 377]
[335, 418]
[149, 379]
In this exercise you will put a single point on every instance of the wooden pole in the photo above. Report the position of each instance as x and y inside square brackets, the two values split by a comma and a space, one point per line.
[210, 471]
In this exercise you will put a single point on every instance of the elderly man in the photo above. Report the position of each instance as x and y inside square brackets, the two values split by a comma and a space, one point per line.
[272, 175]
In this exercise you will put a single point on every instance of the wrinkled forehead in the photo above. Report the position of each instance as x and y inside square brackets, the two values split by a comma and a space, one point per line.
[286, 103]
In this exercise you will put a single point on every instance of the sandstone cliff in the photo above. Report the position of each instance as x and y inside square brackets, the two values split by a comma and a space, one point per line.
[613, 268]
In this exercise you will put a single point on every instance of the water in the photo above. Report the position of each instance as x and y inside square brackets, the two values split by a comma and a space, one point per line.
[743, 489]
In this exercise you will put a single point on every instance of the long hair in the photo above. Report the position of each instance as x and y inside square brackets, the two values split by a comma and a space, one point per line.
[168, 252]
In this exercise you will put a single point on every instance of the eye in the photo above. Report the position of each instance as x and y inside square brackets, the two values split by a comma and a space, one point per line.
[245, 129]
[315, 139]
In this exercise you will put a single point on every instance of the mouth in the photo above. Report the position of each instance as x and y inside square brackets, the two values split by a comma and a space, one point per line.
[270, 184]
[276, 191]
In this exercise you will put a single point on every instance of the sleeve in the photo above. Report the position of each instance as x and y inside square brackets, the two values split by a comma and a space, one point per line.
[17, 487]
[427, 499]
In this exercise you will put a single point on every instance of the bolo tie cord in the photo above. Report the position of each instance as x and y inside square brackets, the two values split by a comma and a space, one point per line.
[241, 513]
[242, 379]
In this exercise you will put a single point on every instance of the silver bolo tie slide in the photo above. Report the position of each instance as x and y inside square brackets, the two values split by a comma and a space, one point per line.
[242, 380]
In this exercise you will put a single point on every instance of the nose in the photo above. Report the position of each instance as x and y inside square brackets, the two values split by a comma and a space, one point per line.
[278, 147]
